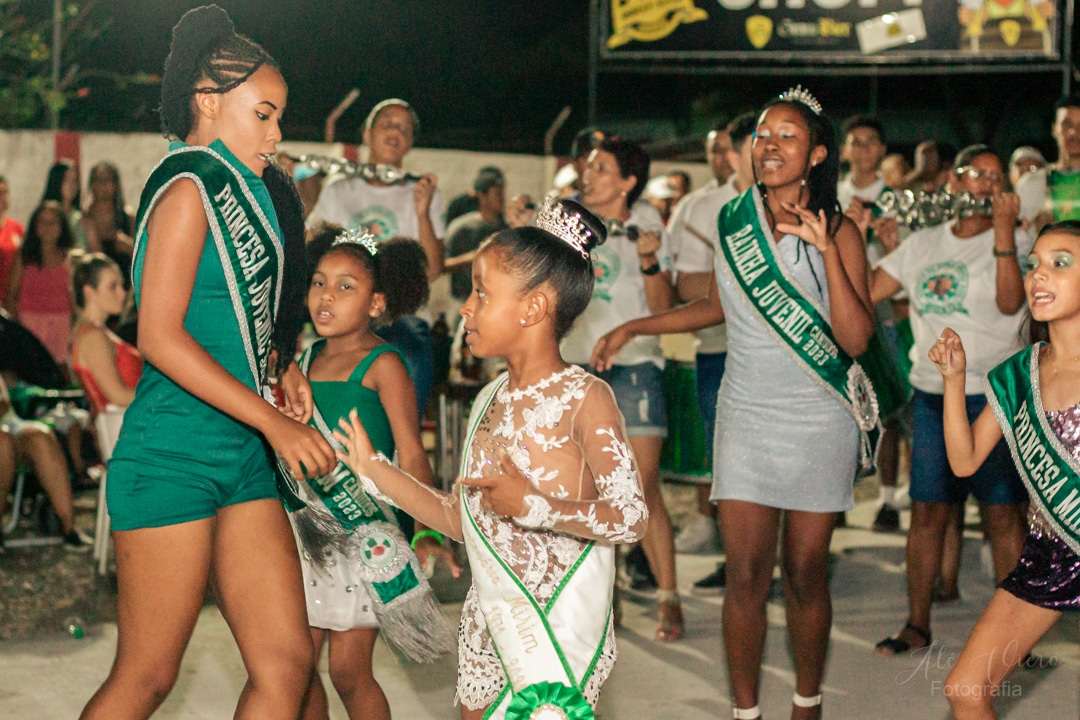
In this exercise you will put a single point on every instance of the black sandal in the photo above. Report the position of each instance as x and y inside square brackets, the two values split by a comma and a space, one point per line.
[895, 646]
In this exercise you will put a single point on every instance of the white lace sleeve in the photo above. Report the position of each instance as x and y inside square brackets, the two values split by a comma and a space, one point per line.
[434, 508]
[618, 515]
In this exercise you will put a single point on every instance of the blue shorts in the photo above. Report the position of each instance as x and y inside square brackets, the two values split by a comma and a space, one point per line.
[639, 393]
[994, 483]
[710, 371]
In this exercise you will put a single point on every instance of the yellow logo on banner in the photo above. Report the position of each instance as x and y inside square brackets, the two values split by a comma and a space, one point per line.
[650, 20]
[759, 30]
[1010, 32]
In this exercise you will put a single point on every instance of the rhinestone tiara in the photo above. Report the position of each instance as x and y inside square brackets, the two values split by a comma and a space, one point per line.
[564, 225]
[800, 95]
[358, 237]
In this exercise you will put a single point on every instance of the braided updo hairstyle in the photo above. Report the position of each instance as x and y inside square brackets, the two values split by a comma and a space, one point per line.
[204, 46]
[537, 256]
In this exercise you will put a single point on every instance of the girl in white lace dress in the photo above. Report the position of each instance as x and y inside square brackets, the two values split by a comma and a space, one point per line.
[548, 482]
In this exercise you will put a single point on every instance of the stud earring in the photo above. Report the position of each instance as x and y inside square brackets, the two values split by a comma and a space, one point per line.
[522, 322]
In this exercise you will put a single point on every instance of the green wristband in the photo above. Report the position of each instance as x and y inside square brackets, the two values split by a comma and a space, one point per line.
[426, 533]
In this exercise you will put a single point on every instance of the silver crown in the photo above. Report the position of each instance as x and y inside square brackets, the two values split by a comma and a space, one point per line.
[358, 237]
[800, 95]
[564, 225]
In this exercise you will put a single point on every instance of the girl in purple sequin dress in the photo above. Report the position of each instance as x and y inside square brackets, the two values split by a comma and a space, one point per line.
[1046, 580]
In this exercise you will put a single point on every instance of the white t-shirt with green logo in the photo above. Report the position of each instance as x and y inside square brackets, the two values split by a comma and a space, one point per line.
[619, 296]
[952, 282]
[695, 216]
[385, 211]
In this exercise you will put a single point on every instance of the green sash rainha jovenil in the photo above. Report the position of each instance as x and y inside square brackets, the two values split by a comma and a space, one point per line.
[793, 318]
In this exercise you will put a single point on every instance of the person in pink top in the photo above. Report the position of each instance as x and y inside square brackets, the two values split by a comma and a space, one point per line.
[38, 294]
[11, 237]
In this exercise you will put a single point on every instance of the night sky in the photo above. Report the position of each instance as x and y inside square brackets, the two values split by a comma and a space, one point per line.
[481, 72]
[490, 75]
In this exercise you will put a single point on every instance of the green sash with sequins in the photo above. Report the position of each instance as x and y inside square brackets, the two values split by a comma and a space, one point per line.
[1050, 472]
[339, 515]
[796, 321]
[250, 251]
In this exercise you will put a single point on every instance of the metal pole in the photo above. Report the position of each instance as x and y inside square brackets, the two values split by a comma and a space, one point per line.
[594, 57]
[556, 125]
[1066, 51]
[58, 21]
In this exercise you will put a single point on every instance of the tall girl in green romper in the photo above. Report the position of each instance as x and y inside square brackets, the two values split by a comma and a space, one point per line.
[191, 487]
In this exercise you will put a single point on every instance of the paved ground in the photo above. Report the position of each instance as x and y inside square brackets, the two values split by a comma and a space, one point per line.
[52, 678]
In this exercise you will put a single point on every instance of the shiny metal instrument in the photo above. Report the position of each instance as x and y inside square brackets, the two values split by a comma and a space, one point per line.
[923, 209]
[387, 174]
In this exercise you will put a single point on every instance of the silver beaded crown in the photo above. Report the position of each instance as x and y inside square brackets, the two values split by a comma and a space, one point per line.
[800, 95]
[358, 237]
[567, 226]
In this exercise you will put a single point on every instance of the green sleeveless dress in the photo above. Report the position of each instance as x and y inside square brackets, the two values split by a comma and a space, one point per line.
[177, 458]
[336, 596]
[336, 399]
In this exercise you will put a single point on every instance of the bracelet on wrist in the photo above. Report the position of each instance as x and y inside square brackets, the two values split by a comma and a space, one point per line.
[1004, 253]
[426, 533]
[651, 270]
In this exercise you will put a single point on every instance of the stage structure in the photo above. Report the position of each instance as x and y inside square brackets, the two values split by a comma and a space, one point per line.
[829, 37]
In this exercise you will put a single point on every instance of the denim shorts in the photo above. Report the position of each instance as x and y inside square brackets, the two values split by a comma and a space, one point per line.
[996, 482]
[710, 371]
[639, 393]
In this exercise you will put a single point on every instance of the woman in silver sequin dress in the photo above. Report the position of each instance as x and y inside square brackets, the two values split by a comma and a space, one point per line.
[786, 450]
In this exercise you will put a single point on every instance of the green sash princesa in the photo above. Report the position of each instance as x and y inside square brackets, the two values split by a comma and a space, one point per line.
[248, 247]
[1050, 472]
[796, 321]
[340, 515]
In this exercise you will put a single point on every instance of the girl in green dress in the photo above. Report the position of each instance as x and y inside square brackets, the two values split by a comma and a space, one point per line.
[353, 591]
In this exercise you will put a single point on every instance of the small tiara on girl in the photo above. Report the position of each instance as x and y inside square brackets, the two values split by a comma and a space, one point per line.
[358, 237]
[799, 95]
[566, 226]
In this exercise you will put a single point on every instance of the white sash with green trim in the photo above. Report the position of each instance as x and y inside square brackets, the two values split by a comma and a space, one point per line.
[1048, 469]
[795, 320]
[548, 652]
[339, 515]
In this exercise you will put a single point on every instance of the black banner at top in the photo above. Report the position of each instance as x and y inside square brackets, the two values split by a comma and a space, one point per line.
[870, 31]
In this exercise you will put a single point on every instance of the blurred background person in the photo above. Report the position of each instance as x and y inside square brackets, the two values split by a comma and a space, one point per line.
[11, 239]
[38, 295]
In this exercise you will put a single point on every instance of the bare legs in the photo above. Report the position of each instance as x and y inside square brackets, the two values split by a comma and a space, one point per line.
[750, 535]
[351, 674]
[163, 574]
[36, 446]
[1005, 633]
[658, 544]
[1004, 527]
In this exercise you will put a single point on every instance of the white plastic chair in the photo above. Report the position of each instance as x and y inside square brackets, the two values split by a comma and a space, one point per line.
[108, 424]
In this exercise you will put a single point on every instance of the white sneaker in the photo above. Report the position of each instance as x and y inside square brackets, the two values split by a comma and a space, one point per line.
[700, 537]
